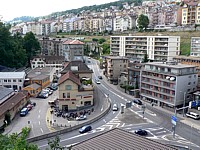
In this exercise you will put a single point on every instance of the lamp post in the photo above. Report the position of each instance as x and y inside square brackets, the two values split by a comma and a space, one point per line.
[184, 104]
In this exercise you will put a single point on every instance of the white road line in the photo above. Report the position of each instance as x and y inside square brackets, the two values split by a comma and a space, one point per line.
[39, 122]
[38, 116]
[39, 111]
[123, 125]
[160, 132]
[102, 108]
[41, 130]
[104, 120]
[154, 129]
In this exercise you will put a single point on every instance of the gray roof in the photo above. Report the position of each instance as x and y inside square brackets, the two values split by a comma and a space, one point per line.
[12, 75]
[4, 92]
[40, 77]
[177, 66]
[119, 139]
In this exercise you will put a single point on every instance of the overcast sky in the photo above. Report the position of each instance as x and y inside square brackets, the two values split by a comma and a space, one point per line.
[10, 9]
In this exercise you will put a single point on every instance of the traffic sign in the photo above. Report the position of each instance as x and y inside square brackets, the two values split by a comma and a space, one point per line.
[174, 120]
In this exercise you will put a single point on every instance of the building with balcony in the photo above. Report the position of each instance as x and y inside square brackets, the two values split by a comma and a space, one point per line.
[158, 48]
[190, 60]
[73, 50]
[114, 66]
[195, 46]
[165, 84]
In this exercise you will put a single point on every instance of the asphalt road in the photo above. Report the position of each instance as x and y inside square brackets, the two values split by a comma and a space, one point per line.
[157, 123]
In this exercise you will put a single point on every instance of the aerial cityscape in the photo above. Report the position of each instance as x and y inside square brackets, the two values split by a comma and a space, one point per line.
[118, 74]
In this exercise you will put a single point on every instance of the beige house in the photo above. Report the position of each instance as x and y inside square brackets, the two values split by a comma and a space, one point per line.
[74, 92]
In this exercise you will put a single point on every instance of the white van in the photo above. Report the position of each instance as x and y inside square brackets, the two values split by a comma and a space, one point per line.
[193, 115]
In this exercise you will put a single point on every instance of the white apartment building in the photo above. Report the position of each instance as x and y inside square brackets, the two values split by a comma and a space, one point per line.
[123, 23]
[14, 80]
[195, 46]
[158, 48]
[168, 84]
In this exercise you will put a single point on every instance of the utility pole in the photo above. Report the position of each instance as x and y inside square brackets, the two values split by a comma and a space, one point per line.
[184, 104]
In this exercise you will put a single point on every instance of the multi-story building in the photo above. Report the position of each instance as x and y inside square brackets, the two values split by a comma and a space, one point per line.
[51, 46]
[195, 46]
[191, 13]
[158, 48]
[14, 80]
[48, 61]
[134, 70]
[190, 60]
[114, 66]
[73, 50]
[168, 84]
[75, 86]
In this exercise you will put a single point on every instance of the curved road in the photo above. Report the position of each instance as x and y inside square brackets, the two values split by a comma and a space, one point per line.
[156, 122]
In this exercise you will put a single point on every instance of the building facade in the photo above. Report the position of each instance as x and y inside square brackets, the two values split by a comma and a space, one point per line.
[158, 48]
[14, 80]
[195, 46]
[114, 66]
[167, 84]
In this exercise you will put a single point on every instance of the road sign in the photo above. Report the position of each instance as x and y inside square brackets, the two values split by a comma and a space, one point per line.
[174, 120]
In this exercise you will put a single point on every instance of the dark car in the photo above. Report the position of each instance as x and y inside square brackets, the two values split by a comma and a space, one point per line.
[100, 77]
[141, 132]
[137, 101]
[33, 104]
[85, 129]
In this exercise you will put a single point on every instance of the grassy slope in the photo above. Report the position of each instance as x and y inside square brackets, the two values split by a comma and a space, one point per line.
[185, 38]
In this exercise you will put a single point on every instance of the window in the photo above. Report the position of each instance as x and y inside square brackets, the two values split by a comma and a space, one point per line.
[64, 96]
[81, 102]
[195, 76]
[5, 80]
[188, 90]
[9, 80]
[72, 102]
[189, 83]
[68, 95]
[68, 87]
[14, 80]
[20, 80]
[194, 82]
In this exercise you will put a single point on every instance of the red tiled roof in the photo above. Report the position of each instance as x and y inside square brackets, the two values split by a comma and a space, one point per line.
[69, 75]
[75, 42]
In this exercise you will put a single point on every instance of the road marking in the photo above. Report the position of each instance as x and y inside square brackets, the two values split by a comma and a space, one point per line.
[39, 122]
[160, 132]
[102, 108]
[41, 130]
[113, 112]
[38, 116]
[123, 125]
[39, 111]
[104, 120]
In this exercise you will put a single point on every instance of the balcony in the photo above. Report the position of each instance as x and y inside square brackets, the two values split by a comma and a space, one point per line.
[157, 78]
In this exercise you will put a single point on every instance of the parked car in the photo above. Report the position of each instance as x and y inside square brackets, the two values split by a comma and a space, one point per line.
[137, 101]
[50, 92]
[85, 129]
[141, 132]
[29, 106]
[33, 104]
[115, 108]
[193, 115]
[81, 117]
[97, 81]
[24, 112]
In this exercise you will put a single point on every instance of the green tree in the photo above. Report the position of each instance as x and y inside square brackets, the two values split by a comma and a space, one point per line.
[145, 59]
[101, 40]
[95, 40]
[106, 48]
[31, 45]
[55, 144]
[16, 142]
[143, 22]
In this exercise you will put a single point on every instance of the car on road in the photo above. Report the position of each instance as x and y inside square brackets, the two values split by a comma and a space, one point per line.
[85, 129]
[97, 81]
[81, 117]
[193, 115]
[137, 101]
[141, 132]
[100, 77]
[115, 108]
[24, 112]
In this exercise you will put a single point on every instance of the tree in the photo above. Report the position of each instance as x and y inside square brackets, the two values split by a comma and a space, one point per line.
[95, 40]
[31, 45]
[55, 144]
[16, 142]
[143, 22]
[106, 48]
[101, 40]
[145, 59]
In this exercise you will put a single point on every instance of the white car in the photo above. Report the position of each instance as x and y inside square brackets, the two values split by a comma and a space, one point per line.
[193, 115]
[82, 117]
[115, 108]
[97, 81]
